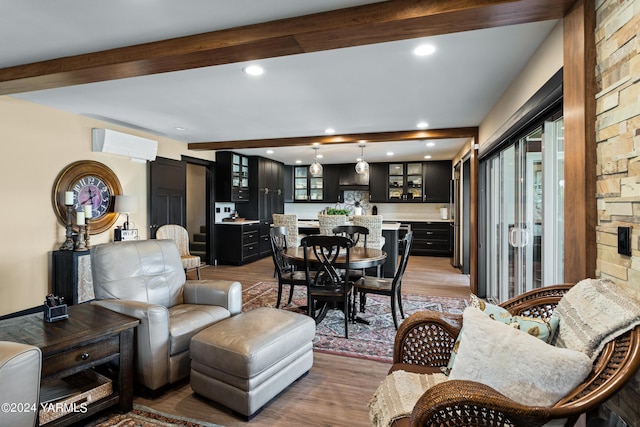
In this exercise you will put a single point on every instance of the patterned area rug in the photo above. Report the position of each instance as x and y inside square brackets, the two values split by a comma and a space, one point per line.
[373, 341]
[141, 416]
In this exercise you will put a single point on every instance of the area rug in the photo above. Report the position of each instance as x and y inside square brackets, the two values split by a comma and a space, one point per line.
[373, 341]
[141, 416]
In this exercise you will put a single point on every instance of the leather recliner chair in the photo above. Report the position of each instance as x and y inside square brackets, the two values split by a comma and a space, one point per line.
[145, 279]
[20, 367]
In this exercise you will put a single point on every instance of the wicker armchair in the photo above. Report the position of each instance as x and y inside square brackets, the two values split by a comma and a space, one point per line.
[424, 342]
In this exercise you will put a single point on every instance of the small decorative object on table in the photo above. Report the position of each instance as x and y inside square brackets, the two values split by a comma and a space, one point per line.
[54, 309]
[80, 243]
[68, 202]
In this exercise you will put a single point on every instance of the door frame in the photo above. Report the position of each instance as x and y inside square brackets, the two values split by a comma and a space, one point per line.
[209, 200]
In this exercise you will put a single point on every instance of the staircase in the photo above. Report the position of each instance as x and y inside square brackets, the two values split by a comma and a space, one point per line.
[198, 246]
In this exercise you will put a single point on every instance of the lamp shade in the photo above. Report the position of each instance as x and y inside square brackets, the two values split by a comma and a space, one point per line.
[126, 204]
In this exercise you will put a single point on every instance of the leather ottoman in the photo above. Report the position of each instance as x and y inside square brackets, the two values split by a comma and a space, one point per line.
[246, 360]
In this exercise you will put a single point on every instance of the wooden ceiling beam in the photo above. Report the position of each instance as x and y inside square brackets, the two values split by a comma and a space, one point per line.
[407, 135]
[373, 23]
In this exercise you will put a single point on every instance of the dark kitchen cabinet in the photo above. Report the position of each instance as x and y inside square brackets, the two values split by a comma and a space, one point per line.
[237, 244]
[432, 238]
[288, 184]
[331, 175]
[232, 177]
[378, 181]
[405, 182]
[437, 181]
[307, 187]
[267, 182]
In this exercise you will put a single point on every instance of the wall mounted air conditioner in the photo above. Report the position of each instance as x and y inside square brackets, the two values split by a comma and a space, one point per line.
[136, 147]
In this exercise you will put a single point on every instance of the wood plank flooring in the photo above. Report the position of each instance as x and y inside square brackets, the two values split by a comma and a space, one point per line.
[337, 389]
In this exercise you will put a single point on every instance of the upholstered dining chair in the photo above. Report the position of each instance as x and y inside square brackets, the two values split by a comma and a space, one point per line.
[180, 235]
[389, 287]
[328, 222]
[374, 224]
[290, 222]
[327, 281]
[287, 274]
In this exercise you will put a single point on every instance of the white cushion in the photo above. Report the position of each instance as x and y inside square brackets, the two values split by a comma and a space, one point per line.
[516, 364]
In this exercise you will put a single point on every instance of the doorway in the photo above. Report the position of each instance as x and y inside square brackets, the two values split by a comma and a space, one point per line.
[196, 215]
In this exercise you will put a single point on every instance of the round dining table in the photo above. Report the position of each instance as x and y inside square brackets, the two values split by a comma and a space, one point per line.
[359, 257]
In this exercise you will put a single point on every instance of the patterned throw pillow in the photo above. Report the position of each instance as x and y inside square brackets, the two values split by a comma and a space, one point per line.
[543, 329]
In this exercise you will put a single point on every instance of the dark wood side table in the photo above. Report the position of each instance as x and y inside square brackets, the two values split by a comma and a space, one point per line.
[92, 336]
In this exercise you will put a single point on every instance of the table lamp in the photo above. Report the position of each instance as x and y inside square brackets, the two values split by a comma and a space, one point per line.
[126, 205]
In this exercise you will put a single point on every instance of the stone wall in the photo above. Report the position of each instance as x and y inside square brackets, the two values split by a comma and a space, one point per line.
[618, 158]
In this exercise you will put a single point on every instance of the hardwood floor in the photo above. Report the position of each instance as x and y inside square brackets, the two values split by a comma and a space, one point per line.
[337, 389]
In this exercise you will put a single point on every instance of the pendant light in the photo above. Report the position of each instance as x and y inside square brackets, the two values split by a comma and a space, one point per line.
[316, 168]
[362, 167]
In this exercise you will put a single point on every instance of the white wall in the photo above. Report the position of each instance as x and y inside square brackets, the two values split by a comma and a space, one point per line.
[37, 143]
[545, 62]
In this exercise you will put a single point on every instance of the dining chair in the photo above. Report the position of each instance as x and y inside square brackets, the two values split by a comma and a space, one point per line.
[374, 224]
[328, 222]
[327, 281]
[290, 221]
[287, 274]
[354, 232]
[389, 287]
[180, 235]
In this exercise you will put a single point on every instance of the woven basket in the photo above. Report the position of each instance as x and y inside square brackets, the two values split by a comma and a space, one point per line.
[79, 391]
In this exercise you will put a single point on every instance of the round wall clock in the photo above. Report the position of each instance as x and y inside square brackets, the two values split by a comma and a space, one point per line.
[93, 184]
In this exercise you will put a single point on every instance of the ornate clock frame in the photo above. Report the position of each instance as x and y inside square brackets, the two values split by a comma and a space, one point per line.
[70, 175]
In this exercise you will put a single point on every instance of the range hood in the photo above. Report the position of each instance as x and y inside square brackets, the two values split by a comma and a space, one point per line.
[353, 181]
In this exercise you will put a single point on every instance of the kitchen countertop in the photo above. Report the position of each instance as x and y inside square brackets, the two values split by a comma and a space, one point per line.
[315, 224]
[244, 221]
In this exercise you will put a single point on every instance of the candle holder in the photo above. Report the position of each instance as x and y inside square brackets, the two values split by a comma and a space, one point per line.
[68, 243]
[86, 233]
[80, 243]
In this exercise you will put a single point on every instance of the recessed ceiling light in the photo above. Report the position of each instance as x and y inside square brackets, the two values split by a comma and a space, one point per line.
[319, 156]
[358, 159]
[389, 153]
[253, 70]
[431, 144]
[316, 143]
[427, 157]
[269, 151]
[329, 131]
[298, 161]
[180, 128]
[422, 125]
[424, 50]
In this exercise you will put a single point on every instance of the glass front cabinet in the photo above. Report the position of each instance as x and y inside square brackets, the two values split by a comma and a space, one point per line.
[405, 182]
[306, 186]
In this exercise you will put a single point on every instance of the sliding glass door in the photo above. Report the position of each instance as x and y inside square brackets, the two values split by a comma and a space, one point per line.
[523, 186]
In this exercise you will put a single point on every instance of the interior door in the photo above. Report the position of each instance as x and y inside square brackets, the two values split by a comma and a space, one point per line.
[167, 193]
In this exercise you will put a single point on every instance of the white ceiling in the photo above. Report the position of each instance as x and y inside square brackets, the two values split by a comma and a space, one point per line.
[373, 88]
